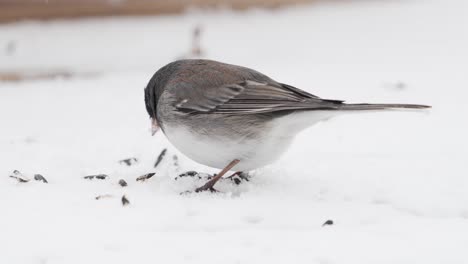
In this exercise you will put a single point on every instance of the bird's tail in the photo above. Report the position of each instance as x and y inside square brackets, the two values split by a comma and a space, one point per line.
[359, 107]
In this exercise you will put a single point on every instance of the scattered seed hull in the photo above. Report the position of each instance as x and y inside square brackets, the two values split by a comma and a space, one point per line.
[98, 176]
[129, 161]
[145, 177]
[39, 177]
[160, 157]
[122, 183]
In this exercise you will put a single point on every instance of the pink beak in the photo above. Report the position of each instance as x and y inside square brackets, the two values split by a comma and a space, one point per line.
[154, 126]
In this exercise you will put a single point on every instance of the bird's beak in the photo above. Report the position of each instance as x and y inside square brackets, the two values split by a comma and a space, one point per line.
[154, 126]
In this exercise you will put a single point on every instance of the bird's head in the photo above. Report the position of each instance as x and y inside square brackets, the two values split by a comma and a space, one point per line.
[153, 92]
[151, 107]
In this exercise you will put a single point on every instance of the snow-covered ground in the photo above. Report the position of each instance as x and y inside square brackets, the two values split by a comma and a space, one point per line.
[395, 184]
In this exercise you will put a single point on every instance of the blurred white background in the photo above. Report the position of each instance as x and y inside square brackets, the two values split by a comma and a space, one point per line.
[394, 183]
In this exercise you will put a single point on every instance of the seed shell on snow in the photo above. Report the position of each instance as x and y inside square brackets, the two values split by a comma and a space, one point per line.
[328, 222]
[39, 177]
[122, 183]
[145, 177]
[97, 176]
[99, 197]
[129, 161]
[19, 176]
[189, 174]
[125, 201]
[160, 157]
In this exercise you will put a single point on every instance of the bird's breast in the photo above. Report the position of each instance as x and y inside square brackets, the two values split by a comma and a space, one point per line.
[217, 150]
[256, 142]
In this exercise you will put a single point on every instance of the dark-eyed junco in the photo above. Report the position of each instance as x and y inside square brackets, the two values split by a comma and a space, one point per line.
[227, 116]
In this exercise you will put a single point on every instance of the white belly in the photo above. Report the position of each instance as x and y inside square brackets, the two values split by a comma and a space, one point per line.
[217, 152]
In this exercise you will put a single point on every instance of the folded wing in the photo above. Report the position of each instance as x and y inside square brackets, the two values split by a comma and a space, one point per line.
[252, 97]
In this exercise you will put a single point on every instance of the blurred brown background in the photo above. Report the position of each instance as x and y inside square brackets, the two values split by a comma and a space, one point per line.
[14, 10]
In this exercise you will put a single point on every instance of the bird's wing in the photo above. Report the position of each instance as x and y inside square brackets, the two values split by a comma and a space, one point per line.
[252, 97]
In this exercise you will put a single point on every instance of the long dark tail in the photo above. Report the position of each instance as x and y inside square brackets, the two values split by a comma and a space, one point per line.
[380, 106]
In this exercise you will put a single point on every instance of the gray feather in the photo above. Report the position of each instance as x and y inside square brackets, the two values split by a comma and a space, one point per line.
[209, 87]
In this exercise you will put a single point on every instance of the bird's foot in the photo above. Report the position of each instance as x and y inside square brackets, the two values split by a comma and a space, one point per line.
[208, 186]
[199, 176]
[237, 178]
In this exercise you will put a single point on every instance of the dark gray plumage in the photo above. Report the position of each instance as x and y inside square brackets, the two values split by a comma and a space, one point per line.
[215, 112]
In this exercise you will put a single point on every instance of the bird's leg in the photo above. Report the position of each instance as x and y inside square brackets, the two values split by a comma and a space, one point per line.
[209, 185]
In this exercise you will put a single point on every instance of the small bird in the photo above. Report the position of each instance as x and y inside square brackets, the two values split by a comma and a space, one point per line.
[227, 116]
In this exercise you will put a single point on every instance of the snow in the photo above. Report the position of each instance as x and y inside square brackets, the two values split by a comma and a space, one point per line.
[395, 183]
